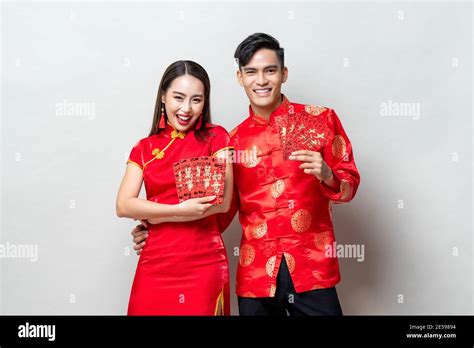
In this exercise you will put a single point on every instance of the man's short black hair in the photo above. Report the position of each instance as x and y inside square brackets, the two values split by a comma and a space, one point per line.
[247, 48]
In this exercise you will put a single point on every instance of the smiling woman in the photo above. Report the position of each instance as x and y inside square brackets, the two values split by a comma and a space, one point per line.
[183, 268]
[183, 99]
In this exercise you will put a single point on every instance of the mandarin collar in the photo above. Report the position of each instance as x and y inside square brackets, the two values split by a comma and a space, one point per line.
[282, 109]
[172, 132]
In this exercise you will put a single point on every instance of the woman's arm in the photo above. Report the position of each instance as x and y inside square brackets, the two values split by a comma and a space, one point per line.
[129, 205]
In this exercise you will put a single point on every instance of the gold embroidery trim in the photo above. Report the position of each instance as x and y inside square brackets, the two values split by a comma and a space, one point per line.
[220, 304]
[135, 163]
[159, 154]
[177, 134]
[223, 149]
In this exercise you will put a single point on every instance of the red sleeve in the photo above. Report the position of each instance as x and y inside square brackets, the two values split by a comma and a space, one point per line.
[220, 140]
[136, 155]
[339, 157]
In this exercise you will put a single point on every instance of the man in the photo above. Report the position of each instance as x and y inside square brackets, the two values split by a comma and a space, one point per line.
[284, 200]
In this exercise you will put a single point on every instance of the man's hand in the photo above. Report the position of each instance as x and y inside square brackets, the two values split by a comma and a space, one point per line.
[139, 234]
[314, 164]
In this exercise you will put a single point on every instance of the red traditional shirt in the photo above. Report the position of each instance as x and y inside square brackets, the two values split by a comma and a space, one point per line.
[282, 210]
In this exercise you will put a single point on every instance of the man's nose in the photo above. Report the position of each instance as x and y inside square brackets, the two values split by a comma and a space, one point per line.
[261, 79]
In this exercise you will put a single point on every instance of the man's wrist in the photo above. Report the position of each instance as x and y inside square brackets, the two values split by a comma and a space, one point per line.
[332, 181]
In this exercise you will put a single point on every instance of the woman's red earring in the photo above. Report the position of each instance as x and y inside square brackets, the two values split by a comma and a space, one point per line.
[199, 122]
[162, 124]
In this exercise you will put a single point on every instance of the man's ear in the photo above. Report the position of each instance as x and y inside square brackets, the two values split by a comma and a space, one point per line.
[239, 77]
[285, 74]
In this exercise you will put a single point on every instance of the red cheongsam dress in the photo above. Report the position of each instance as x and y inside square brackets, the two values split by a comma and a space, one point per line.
[183, 268]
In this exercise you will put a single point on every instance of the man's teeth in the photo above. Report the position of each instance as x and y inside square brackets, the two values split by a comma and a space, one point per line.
[263, 90]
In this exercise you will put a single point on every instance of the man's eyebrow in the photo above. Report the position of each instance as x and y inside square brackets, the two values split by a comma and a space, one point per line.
[265, 68]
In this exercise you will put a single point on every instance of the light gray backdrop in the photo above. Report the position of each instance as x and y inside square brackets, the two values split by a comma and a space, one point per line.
[79, 82]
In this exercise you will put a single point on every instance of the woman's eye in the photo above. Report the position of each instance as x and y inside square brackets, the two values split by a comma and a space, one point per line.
[197, 100]
[178, 98]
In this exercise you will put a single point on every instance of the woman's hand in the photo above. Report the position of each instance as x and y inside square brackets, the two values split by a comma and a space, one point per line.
[195, 207]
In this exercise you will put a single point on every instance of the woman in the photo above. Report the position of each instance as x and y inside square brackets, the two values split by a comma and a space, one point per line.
[183, 268]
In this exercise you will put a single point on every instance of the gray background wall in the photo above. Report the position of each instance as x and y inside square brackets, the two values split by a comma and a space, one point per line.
[60, 172]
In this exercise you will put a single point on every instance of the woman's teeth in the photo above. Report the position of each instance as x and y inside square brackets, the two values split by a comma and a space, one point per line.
[184, 118]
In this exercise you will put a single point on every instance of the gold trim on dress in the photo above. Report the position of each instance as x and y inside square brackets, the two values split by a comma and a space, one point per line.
[135, 163]
[177, 134]
[220, 304]
[159, 154]
[223, 149]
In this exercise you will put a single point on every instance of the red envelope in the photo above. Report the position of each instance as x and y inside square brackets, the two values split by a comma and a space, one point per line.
[200, 177]
[302, 131]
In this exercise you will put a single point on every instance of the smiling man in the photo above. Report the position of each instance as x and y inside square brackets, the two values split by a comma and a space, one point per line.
[284, 198]
[284, 202]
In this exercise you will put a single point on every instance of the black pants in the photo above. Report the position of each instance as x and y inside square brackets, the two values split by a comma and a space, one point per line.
[314, 302]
